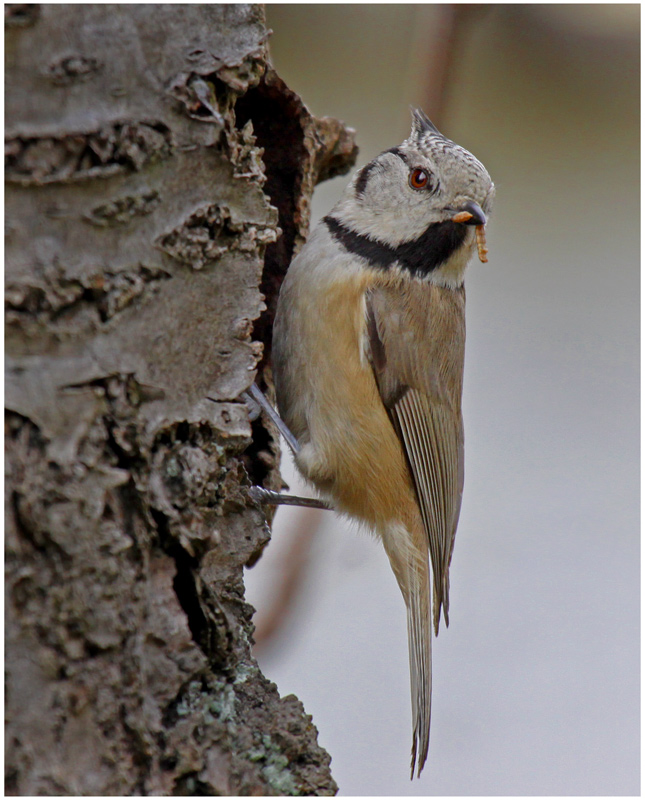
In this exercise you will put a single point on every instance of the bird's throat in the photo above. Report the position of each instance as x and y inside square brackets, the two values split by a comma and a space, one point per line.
[436, 247]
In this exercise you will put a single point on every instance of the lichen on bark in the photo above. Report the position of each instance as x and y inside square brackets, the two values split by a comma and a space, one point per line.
[153, 183]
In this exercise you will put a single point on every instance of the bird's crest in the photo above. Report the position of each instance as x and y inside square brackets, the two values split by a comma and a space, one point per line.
[422, 125]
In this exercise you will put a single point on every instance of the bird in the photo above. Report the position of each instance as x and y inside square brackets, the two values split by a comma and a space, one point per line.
[368, 359]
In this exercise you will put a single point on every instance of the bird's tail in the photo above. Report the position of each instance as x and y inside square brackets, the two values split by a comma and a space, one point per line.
[419, 646]
[413, 576]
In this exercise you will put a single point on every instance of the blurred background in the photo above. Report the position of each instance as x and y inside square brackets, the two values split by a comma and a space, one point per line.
[537, 682]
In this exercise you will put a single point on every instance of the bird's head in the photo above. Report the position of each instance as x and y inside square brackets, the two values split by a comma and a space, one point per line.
[423, 200]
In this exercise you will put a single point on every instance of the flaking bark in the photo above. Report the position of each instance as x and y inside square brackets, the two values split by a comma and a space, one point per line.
[158, 171]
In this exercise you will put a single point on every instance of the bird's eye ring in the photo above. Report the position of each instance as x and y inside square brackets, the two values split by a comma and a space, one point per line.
[419, 178]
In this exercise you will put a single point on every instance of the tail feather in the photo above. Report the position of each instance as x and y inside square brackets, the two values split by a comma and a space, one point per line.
[419, 646]
[408, 555]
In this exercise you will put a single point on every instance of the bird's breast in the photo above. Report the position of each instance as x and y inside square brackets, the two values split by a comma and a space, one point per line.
[327, 395]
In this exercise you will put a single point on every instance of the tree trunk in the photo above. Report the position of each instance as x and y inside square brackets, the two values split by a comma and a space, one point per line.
[141, 216]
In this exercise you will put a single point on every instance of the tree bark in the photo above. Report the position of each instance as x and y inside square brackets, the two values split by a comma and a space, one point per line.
[157, 172]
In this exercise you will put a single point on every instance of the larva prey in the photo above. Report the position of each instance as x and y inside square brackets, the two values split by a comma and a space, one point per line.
[482, 250]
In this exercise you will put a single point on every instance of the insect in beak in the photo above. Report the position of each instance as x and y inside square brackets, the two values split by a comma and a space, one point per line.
[472, 214]
[482, 250]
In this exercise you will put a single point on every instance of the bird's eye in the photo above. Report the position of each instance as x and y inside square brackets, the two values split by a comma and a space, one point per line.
[419, 178]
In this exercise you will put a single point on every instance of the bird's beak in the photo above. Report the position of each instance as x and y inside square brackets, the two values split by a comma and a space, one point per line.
[470, 214]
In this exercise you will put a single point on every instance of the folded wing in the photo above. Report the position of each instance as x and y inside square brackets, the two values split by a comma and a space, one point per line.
[415, 343]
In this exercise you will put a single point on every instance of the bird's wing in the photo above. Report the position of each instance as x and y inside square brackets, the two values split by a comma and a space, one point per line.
[415, 334]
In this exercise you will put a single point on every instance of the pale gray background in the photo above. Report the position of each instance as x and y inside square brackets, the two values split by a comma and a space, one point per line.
[536, 683]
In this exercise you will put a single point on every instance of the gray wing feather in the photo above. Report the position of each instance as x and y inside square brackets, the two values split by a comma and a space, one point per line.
[422, 393]
[433, 444]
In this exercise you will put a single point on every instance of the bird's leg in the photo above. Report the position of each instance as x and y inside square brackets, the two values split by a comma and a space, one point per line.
[254, 398]
[269, 498]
